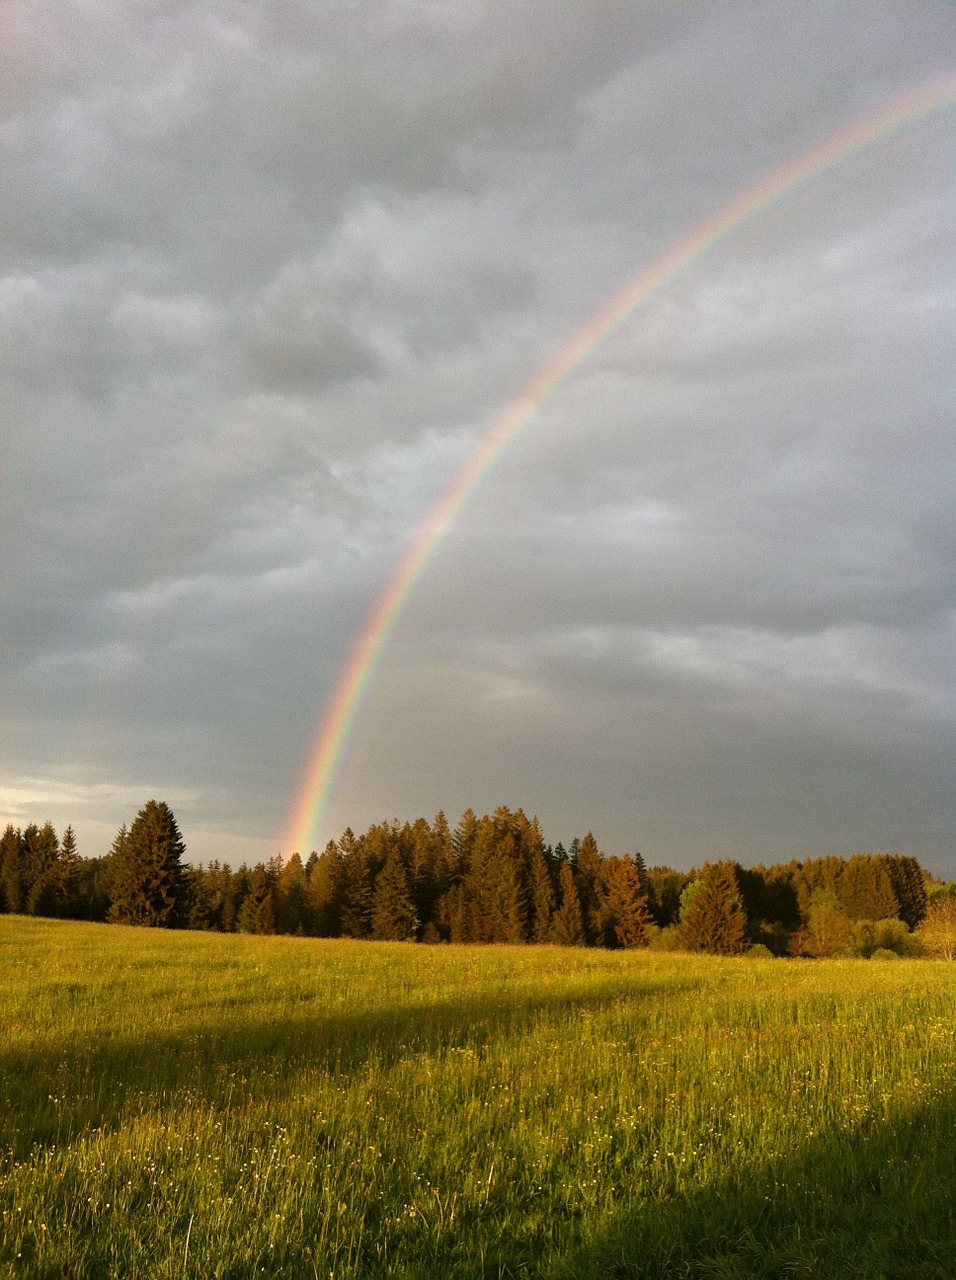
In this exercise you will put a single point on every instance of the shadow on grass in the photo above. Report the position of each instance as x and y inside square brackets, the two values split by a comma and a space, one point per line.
[47, 1099]
[877, 1203]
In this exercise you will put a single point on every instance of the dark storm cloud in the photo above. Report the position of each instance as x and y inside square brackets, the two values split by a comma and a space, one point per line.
[269, 273]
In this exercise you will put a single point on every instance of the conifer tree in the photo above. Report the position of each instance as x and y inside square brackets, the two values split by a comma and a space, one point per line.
[357, 887]
[664, 887]
[909, 886]
[393, 912]
[451, 914]
[542, 895]
[463, 842]
[865, 890]
[447, 860]
[147, 881]
[258, 911]
[324, 888]
[235, 891]
[567, 927]
[69, 876]
[714, 919]
[292, 906]
[203, 884]
[42, 851]
[588, 862]
[11, 878]
[478, 882]
[626, 904]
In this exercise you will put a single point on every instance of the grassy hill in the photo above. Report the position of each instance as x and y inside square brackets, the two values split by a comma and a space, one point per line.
[195, 1105]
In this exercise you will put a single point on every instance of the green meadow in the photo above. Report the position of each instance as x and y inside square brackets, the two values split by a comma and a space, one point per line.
[195, 1105]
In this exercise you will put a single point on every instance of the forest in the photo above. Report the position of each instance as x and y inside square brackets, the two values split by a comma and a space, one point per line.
[492, 879]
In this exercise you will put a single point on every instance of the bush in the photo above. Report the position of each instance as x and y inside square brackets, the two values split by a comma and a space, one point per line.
[759, 952]
[883, 953]
[666, 939]
[871, 936]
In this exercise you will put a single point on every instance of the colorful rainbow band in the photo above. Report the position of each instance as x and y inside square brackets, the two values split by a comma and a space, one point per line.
[327, 750]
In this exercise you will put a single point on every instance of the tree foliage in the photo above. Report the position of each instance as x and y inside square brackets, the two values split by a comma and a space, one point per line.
[147, 878]
[489, 879]
[714, 919]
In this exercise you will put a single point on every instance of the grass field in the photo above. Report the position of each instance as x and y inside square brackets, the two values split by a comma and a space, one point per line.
[194, 1105]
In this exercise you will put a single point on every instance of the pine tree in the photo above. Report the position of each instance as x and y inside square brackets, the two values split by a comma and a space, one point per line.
[258, 911]
[292, 904]
[357, 887]
[865, 890]
[542, 895]
[422, 857]
[69, 876]
[42, 855]
[393, 912]
[909, 886]
[324, 889]
[714, 918]
[203, 897]
[463, 842]
[147, 884]
[235, 891]
[452, 914]
[11, 877]
[664, 890]
[588, 866]
[626, 904]
[567, 927]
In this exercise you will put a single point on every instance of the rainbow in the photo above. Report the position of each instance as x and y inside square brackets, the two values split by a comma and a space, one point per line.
[327, 750]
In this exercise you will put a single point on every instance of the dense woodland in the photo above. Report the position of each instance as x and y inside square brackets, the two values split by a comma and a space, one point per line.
[488, 879]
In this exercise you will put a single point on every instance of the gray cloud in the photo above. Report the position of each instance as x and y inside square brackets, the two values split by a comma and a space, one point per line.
[267, 277]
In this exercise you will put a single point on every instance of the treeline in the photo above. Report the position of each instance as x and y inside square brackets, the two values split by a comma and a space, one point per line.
[489, 879]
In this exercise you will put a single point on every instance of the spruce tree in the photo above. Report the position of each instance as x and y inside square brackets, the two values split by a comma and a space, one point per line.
[626, 904]
[567, 927]
[147, 881]
[235, 892]
[865, 890]
[69, 876]
[324, 890]
[393, 912]
[11, 872]
[42, 855]
[258, 911]
[357, 887]
[714, 918]
[292, 904]
[909, 886]
[588, 866]
[542, 895]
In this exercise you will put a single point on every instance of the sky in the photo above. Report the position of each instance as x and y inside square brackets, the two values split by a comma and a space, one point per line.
[269, 275]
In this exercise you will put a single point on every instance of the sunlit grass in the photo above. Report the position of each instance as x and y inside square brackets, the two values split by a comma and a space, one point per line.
[196, 1105]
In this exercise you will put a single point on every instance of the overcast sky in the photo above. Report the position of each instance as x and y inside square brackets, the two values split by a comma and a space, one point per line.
[268, 275]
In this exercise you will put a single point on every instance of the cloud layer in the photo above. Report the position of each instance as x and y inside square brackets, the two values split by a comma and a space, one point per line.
[268, 274]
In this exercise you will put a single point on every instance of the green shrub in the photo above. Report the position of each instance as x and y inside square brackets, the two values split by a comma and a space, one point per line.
[666, 939]
[759, 952]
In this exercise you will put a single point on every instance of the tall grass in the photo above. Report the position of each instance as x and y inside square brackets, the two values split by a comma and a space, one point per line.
[190, 1105]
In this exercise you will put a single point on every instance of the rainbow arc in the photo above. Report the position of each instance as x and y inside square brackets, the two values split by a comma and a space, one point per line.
[328, 748]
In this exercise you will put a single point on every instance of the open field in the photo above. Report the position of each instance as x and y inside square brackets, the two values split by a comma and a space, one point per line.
[177, 1105]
